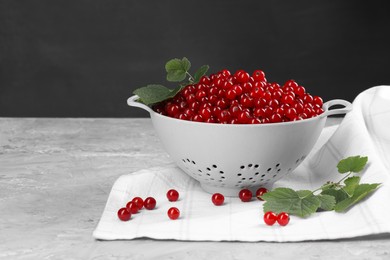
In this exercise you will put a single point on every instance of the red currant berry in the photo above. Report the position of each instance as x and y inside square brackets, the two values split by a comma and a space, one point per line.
[245, 195]
[150, 203]
[173, 195]
[318, 101]
[205, 113]
[242, 76]
[283, 218]
[270, 218]
[217, 199]
[258, 75]
[300, 91]
[260, 192]
[124, 214]
[243, 117]
[173, 213]
[231, 94]
[132, 207]
[139, 202]
[290, 83]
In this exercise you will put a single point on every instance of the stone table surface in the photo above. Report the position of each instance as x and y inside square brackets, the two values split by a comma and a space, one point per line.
[55, 178]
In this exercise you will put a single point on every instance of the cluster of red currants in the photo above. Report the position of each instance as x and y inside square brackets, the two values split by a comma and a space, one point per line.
[241, 98]
[137, 203]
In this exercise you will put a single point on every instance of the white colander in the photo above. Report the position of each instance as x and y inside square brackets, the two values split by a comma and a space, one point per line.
[228, 157]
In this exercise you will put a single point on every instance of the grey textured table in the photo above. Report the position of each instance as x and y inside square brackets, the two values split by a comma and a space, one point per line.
[55, 177]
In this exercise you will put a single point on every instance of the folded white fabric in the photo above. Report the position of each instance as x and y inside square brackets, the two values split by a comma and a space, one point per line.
[364, 131]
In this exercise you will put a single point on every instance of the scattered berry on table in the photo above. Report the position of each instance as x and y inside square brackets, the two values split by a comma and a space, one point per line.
[132, 207]
[217, 199]
[124, 214]
[173, 213]
[270, 218]
[139, 202]
[245, 195]
[260, 193]
[173, 195]
[283, 218]
[150, 203]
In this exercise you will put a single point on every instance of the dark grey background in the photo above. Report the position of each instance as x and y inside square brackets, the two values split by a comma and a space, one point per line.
[84, 58]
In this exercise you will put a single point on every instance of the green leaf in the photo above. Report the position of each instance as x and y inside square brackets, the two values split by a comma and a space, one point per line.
[301, 203]
[361, 191]
[352, 164]
[350, 184]
[338, 194]
[177, 69]
[200, 72]
[327, 201]
[155, 93]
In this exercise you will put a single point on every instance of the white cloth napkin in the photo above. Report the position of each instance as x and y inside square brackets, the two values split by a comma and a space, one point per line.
[364, 131]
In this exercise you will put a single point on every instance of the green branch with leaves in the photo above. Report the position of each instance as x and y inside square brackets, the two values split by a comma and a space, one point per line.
[338, 196]
[177, 71]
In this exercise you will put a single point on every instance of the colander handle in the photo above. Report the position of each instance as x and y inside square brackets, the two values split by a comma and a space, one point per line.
[327, 105]
[132, 101]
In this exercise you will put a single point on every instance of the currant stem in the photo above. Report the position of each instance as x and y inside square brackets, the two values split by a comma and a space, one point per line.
[331, 184]
[191, 79]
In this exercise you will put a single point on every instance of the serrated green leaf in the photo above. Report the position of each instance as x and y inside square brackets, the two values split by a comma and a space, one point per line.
[177, 69]
[350, 184]
[155, 93]
[200, 72]
[300, 203]
[352, 164]
[186, 64]
[327, 201]
[361, 191]
[338, 194]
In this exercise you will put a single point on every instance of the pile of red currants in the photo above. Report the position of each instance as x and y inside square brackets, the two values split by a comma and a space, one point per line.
[241, 98]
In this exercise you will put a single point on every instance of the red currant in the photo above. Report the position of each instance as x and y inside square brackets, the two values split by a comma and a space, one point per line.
[217, 199]
[258, 75]
[283, 218]
[245, 195]
[270, 218]
[139, 202]
[124, 214]
[173, 213]
[173, 195]
[150, 203]
[260, 192]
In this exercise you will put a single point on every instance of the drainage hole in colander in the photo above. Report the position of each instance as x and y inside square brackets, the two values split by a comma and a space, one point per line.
[297, 161]
[221, 172]
[274, 176]
[214, 166]
[222, 177]
[188, 160]
[257, 173]
[243, 179]
[239, 174]
[242, 167]
[277, 165]
[251, 178]
[256, 166]
[278, 170]
[250, 165]
[199, 170]
[208, 174]
[269, 169]
[193, 162]
[208, 169]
